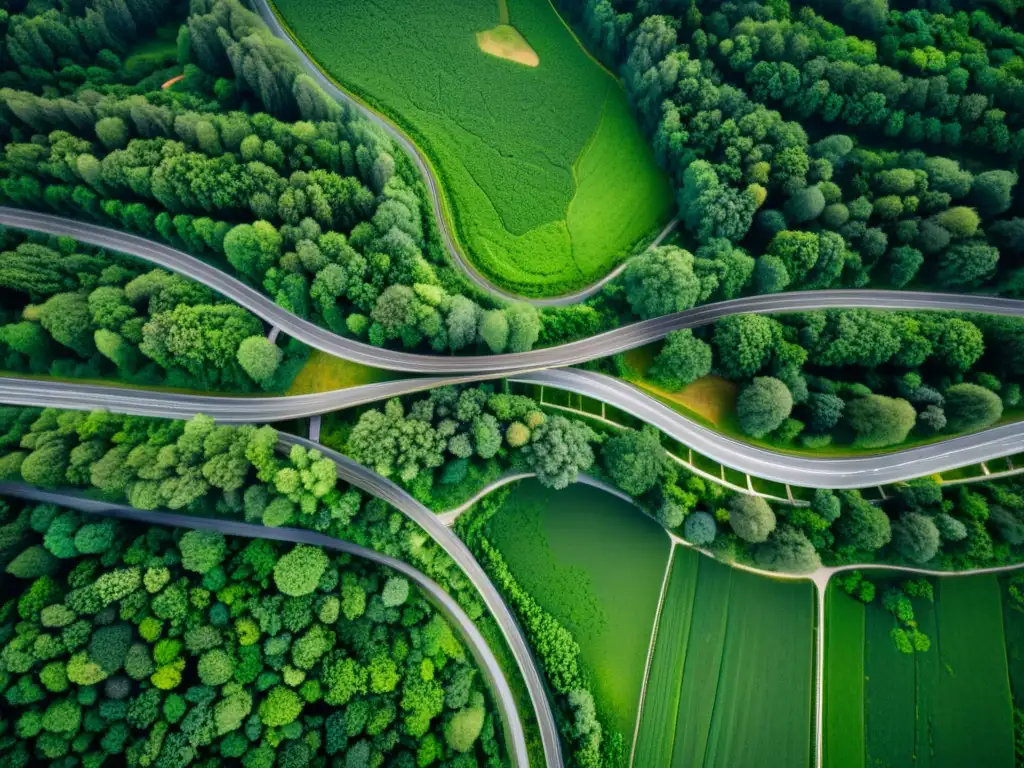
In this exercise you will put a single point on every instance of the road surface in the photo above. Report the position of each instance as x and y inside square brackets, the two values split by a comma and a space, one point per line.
[73, 499]
[602, 345]
[804, 471]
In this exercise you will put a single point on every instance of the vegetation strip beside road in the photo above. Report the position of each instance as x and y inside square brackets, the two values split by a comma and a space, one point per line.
[602, 345]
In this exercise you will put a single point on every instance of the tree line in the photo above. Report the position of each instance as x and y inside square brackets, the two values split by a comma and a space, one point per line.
[163, 647]
[80, 312]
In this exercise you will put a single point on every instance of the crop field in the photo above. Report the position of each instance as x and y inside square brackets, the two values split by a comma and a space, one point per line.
[731, 680]
[596, 563]
[844, 673]
[947, 707]
[547, 177]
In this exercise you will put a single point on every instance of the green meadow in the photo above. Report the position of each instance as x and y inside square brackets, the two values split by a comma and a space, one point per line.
[596, 564]
[545, 174]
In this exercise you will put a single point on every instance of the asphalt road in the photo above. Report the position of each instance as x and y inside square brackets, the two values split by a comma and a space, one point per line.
[73, 499]
[804, 471]
[602, 345]
[431, 182]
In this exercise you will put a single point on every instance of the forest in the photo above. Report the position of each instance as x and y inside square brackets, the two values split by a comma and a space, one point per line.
[165, 647]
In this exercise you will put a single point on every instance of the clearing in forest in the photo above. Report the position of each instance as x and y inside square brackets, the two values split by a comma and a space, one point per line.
[596, 564]
[731, 679]
[546, 176]
[946, 707]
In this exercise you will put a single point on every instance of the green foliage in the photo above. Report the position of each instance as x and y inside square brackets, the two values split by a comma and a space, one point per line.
[763, 405]
[635, 460]
[682, 359]
[969, 407]
[880, 421]
[751, 517]
[299, 571]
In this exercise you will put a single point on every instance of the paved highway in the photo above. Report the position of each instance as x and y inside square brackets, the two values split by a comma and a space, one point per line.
[805, 471]
[602, 345]
[429, 180]
[74, 499]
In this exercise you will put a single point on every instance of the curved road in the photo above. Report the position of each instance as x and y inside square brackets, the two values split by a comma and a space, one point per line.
[430, 181]
[369, 481]
[73, 499]
[853, 472]
[602, 345]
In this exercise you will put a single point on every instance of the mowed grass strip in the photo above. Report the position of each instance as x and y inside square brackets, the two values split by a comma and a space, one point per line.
[656, 735]
[546, 176]
[597, 564]
[763, 712]
[973, 716]
[704, 653]
[844, 681]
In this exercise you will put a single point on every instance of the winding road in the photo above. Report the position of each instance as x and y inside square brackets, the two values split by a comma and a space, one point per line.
[601, 345]
[793, 469]
[73, 499]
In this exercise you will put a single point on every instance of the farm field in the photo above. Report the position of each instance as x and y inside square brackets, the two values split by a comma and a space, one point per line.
[724, 634]
[542, 202]
[596, 564]
[946, 707]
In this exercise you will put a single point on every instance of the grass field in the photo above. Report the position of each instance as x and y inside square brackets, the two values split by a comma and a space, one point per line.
[323, 372]
[596, 564]
[546, 175]
[945, 708]
[731, 676]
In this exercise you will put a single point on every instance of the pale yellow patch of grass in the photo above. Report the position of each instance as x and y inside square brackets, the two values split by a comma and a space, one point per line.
[323, 373]
[505, 42]
[710, 397]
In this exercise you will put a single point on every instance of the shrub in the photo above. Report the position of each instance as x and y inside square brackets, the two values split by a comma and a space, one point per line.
[880, 421]
[969, 407]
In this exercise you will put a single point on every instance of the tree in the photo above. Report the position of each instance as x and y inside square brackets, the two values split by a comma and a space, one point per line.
[967, 264]
[805, 204]
[463, 728]
[494, 330]
[880, 421]
[683, 359]
[744, 344]
[992, 191]
[67, 318]
[396, 592]
[280, 707]
[969, 407]
[763, 405]
[788, 550]
[751, 517]
[202, 551]
[700, 529]
[523, 327]
[635, 459]
[31, 563]
[259, 358]
[559, 450]
[661, 281]
[916, 537]
[299, 571]
[826, 411]
[862, 525]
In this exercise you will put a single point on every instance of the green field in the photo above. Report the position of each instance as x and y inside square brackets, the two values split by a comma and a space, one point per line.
[596, 564]
[731, 681]
[945, 708]
[323, 373]
[546, 176]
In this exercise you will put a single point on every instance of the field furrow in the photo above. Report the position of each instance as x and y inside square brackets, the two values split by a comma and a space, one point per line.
[664, 682]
